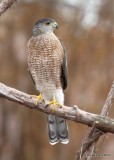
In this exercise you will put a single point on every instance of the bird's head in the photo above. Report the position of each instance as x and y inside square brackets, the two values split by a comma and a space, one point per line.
[43, 26]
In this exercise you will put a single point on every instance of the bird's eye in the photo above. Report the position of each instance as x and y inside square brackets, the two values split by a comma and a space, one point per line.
[47, 23]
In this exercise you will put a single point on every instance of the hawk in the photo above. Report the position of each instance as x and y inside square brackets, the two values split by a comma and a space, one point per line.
[47, 64]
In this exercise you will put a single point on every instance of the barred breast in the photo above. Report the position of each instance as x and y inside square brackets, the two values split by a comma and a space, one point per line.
[44, 56]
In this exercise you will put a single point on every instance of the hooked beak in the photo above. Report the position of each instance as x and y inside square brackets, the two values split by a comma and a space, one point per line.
[55, 25]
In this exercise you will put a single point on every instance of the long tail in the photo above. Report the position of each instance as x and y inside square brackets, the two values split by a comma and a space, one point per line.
[62, 129]
[52, 129]
[57, 129]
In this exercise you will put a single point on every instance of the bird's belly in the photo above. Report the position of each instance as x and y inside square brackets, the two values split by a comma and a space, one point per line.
[47, 73]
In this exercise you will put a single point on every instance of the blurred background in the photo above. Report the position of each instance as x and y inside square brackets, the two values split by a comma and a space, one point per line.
[87, 29]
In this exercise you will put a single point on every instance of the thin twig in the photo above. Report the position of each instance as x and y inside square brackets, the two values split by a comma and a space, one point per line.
[89, 156]
[95, 133]
[5, 4]
[92, 129]
[108, 101]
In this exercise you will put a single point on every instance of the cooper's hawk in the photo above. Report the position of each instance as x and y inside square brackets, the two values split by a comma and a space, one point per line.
[47, 65]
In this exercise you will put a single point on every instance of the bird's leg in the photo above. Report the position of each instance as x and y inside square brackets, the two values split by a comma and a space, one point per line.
[38, 98]
[54, 103]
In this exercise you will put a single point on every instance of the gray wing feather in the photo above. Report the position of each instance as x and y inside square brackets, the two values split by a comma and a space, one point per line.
[52, 129]
[64, 70]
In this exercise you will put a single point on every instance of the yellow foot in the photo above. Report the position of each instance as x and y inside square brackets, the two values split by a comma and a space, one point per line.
[54, 103]
[38, 98]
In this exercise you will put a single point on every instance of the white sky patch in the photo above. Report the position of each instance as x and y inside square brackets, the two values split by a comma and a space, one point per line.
[90, 20]
[66, 12]
[90, 9]
[77, 3]
[91, 16]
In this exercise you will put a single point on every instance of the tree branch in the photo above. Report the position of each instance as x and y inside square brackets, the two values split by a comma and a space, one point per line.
[94, 134]
[108, 101]
[70, 113]
[5, 4]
